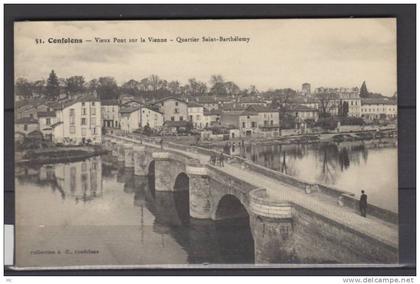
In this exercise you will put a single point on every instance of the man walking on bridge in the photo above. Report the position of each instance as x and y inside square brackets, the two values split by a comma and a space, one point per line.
[221, 159]
[363, 204]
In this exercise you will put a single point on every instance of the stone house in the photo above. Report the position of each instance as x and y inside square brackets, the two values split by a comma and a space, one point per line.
[78, 121]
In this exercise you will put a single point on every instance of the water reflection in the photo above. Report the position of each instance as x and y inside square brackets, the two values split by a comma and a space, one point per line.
[122, 216]
[205, 241]
[81, 181]
[350, 166]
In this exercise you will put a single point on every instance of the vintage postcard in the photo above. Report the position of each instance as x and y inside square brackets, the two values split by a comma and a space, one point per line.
[206, 143]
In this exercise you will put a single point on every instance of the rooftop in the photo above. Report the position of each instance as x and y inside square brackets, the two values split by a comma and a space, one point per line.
[26, 120]
[129, 109]
[46, 114]
[378, 101]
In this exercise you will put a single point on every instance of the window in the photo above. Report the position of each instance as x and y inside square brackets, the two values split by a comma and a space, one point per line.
[176, 103]
[25, 127]
[253, 124]
[172, 118]
[243, 124]
[93, 111]
[83, 111]
[72, 116]
[83, 104]
[83, 121]
[176, 110]
[93, 103]
[48, 121]
[94, 130]
[191, 117]
[181, 118]
[271, 123]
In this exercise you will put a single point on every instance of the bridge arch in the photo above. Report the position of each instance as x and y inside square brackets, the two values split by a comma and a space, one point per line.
[230, 207]
[182, 182]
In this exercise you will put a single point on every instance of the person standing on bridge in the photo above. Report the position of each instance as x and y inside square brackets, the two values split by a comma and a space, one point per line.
[363, 204]
[221, 159]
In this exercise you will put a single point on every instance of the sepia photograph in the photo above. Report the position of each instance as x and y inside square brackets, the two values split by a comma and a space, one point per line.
[206, 143]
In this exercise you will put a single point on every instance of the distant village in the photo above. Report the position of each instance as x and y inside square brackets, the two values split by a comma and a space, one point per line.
[74, 112]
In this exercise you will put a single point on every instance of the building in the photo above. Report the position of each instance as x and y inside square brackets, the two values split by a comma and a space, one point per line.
[78, 121]
[173, 109]
[208, 102]
[196, 115]
[26, 125]
[306, 89]
[353, 101]
[129, 119]
[110, 113]
[303, 112]
[133, 118]
[211, 118]
[250, 101]
[254, 120]
[151, 117]
[176, 127]
[379, 108]
[46, 119]
[31, 109]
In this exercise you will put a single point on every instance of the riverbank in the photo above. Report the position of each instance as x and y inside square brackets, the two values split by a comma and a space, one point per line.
[58, 154]
[309, 138]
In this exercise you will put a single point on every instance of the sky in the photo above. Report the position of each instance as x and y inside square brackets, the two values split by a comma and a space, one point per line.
[280, 53]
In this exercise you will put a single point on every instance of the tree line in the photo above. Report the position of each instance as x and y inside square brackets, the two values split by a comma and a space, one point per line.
[107, 87]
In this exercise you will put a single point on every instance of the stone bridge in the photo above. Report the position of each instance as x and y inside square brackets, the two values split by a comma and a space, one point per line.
[287, 227]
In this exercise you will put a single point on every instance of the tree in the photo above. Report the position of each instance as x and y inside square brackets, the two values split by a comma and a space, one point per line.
[92, 85]
[345, 109]
[364, 91]
[131, 87]
[39, 88]
[327, 102]
[107, 88]
[75, 85]
[53, 86]
[174, 87]
[23, 88]
[196, 88]
[232, 89]
[154, 82]
[215, 79]
[218, 87]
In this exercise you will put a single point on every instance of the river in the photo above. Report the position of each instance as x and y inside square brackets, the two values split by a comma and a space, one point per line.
[95, 212]
[350, 166]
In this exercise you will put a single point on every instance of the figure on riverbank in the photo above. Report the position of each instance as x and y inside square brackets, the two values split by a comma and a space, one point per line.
[363, 204]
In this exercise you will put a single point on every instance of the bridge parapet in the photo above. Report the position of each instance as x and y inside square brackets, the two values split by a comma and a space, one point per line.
[261, 205]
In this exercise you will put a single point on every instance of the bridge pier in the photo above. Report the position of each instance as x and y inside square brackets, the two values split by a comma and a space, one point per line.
[199, 193]
[141, 161]
[164, 177]
[121, 152]
[128, 155]
[114, 148]
[271, 227]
